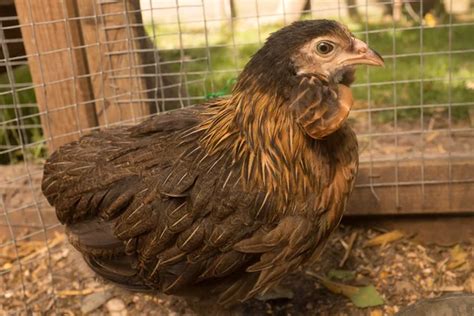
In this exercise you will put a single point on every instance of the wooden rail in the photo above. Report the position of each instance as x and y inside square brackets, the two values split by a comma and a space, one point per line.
[443, 187]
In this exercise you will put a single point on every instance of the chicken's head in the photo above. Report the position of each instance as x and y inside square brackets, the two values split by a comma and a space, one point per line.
[332, 55]
[310, 65]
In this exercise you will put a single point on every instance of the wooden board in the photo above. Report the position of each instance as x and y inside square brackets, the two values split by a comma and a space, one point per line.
[448, 188]
[58, 67]
[424, 228]
[114, 41]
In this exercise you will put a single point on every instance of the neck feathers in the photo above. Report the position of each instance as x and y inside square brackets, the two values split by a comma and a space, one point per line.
[264, 140]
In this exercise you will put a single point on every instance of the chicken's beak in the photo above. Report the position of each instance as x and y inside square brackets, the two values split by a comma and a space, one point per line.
[362, 54]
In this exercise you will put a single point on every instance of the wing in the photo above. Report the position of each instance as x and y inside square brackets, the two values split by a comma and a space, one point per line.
[149, 210]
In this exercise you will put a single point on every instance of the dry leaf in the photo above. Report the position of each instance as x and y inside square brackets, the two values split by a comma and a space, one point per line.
[366, 296]
[339, 288]
[458, 258]
[386, 238]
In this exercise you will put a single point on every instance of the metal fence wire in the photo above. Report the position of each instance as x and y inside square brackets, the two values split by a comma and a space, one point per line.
[70, 67]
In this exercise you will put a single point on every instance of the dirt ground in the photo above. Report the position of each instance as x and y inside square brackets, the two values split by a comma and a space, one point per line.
[54, 280]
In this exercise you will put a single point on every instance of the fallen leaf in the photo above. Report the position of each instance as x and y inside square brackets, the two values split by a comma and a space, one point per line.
[383, 239]
[339, 288]
[343, 275]
[335, 287]
[367, 296]
[458, 258]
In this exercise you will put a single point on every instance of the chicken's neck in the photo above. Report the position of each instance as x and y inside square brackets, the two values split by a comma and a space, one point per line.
[265, 141]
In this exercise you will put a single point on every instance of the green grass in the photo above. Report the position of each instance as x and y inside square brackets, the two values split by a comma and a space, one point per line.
[10, 133]
[434, 69]
[398, 84]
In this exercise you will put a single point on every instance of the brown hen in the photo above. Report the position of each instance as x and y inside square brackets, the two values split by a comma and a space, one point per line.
[223, 199]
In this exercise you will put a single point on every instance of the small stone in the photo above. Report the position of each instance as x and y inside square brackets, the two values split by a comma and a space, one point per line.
[116, 307]
[93, 301]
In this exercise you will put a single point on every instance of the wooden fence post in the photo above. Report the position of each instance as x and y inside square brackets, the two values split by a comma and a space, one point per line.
[58, 67]
[88, 60]
[115, 46]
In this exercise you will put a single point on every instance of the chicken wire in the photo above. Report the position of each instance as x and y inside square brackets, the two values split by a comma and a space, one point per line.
[199, 48]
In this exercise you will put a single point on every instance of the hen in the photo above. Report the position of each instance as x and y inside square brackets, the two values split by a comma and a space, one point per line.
[225, 198]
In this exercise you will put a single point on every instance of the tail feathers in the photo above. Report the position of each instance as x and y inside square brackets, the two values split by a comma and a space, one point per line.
[238, 290]
[119, 270]
[105, 254]
[95, 238]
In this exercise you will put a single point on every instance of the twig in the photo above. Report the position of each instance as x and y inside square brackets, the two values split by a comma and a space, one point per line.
[50, 244]
[83, 292]
[314, 275]
[352, 240]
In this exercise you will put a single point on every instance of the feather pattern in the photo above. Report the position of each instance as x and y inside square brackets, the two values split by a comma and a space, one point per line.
[223, 198]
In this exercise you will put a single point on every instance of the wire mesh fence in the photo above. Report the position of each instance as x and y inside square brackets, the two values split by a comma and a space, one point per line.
[70, 67]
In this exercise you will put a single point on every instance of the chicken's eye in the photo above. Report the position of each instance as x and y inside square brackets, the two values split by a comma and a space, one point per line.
[324, 48]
